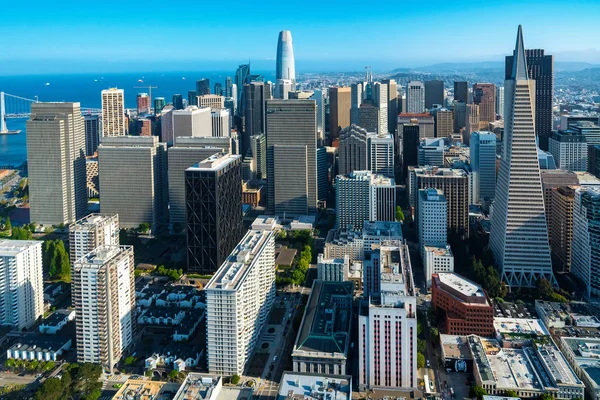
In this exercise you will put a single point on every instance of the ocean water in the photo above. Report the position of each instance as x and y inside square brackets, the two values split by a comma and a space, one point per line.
[86, 88]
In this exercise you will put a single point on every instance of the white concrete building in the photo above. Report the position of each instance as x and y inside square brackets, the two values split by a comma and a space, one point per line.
[104, 300]
[221, 122]
[437, 259]
[415, 97]
[432, 219]
[41, 348]
[380, 154]
[192, 121]
[21, 283]
[333, 269]
[570, 150]
[387, 325]
[91, 232]
[585, 251]
[113, 112]
[238, 301]
[584, 356]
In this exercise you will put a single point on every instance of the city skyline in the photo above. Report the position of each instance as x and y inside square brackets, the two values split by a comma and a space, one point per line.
[80, 41]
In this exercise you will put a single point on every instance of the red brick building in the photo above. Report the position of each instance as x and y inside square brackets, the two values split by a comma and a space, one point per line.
[467, 308]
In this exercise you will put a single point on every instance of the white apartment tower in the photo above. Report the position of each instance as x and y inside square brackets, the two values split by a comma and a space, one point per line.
[432, 218]
[21, 283]
[415, 97]
[104, 300]
[519, 234]
[93, 231]
[113, 112]
[238, 301]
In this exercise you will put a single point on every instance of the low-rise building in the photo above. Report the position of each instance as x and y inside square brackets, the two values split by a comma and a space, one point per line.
[145, 390]
[56, 321]
[333, 269]
[307, 386]
[178, 356]
[210, 387]
[437, 260]
[519, 332]
[39, 347]
[584, 356]
[456, 354]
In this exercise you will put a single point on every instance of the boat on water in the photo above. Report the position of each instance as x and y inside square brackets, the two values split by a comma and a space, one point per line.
[9, 132]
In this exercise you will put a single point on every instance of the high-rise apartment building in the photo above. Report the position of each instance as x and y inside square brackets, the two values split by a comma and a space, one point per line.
[104, 301]
[560, 226]
[500, 100]
[93, 231]
[21, 283]
[585, 252]
[380, 154]
[519, 234]
[56, 163]
[340, 102]
[291, 156]
[202, 87]
[133, 178]
[210, 100]
[484, 95]
[192, 121]
[570, 150]
[93, 127]
[432, 218]
[213, 193]
[363, 196]
[381, 99]
[143, 103]
[387, 324]
[356, 99]
[434, 93]
[352, 150]
[415, 97]
[461, 92]
[221, 122]
[483, 164]
[286, 65]
[238, 302]
[540, 69]
[113, 112]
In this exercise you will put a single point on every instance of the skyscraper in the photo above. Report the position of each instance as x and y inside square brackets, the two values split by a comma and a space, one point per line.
[166, 124]
[380, 97]
[159, 104]
[339, 109]
[192, 99]
[221, 122]
[432, 219]
[484, 95]
[322, 174]
[570, 150]
[192, 121]
[143, 103]
[483, 162]
[93, 125]
[380, 154]
[519, 234]
[133, 178]
[500, 100]
[93, 231]
[291, 156]
[286, 66]
[541, 70]
[178, 102]
[369, 116]
[352, 151]
[585, 252]
[356, 98]
[218, 89]
[434, 93]
[461, 91]
[392, 90]
[202, 87]
[444, 123]
[254, 114]
[228, 84]
[210, 100]
[113, 112]
[319, 97]
[56, 163]
[560, 227]
[415, 97]
[241, 77]
[213, 193]
[104, 301]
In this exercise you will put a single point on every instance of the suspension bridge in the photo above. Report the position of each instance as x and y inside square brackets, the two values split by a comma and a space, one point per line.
[13, 106]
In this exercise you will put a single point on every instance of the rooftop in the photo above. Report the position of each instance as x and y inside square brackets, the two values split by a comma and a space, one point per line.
[146, 390]
[455, 347]
[439, 251]
[439, 172]
[199, 387]
[432, 194]
[327, 319]
[57, 317]
[306, 386]
[38, 342]
[520, 327]
[234, 270]
[91, 221]
[382, 228]
[11, 248]
[100, 255]
[555, 364]
[214, 162]
[460, 284]
[586, 352]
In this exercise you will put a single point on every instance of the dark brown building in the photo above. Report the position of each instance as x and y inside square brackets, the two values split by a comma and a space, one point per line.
[339, 110]
[484, 94]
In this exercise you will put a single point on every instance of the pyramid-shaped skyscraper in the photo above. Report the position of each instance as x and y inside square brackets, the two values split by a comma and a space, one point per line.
[519, 234]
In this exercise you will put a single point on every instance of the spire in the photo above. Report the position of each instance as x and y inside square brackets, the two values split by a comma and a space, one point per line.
[519, 61]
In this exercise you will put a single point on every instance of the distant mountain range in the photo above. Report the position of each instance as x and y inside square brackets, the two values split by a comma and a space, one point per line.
[457, 67]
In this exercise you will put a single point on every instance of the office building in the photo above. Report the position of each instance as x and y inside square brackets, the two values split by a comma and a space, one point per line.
[92, 180]
[392, 90]
[254, 123]
[178, 102]
[186, 152]
[560, 227]
[546, 159]
[362, 196]
[570, 150]
[484, 95]
[258, 150]
[283, 87]
[166, 124]
[315, 386]
[21, 283]
[552, 179]
[238, 299]
[322, 174]
[483, 163]
[103, 292]
[286, 66]
[144, 127]
[228, 86]
[369, 115]
[210, 100]
[387, 324]
[431, 152]
[434, 93]
[432, 219]
[410, 146]
[472, 122]
[143, 103]
[459, 113]
[319, 97]
[56, 163]
[202, 87]
[466, 307]
[93, 127]
[159, 104]
[585, 252]
[356, 99]
[333, 269]
[291, 156]
[352, 150]
[91, 232]
[324, 337]
[590, 131]
[213, 193]
[437, 259]
[380, 154]
[573, 119]
[218, 89]
[381, 99]
[241, 77]
[541, 70]
[415, 97]
[133, 178]
[594, 160]
[425, 121]
[444, 123]
[455, 185]
[461, 92]
[519, 234]
[339, 109]
[221, 122]
[583, 355]
[192, 121]
[500, 100]
[192, 98]
[113, 112]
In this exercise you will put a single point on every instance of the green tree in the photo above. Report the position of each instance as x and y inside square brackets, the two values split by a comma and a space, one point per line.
[420, 360]
[7, 225]
[544, 288]
[86, 377]
[129, 360]
[511, 393]
[477, 391]
[144, 227]
[421, 345]
[434, 332]
[235, 379]
[173, 375]
[10, 363]
[51, 389]
[399, 214]
[546, 396]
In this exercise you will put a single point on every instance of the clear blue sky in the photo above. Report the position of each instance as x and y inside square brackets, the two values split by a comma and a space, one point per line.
[39, 35]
